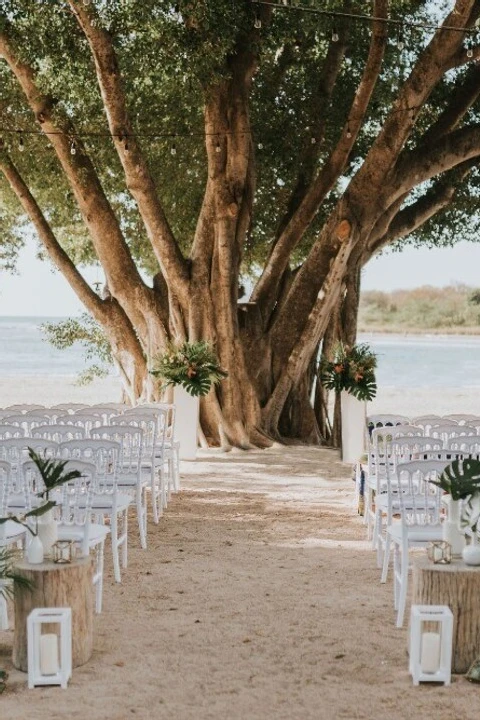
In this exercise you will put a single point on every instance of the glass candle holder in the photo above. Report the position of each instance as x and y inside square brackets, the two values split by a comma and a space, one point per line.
[63, 551]
[439, 552]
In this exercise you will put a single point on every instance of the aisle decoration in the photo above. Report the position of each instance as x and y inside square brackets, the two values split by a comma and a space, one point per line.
[351, 374]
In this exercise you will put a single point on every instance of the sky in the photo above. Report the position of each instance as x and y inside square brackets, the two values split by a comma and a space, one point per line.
[38, 291]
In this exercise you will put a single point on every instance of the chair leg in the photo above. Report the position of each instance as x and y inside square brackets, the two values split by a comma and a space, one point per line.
[386, 558]
[3, 612]
[142, 515]
[402, 599]
[125, 539]
[98, 580]
[114, 539]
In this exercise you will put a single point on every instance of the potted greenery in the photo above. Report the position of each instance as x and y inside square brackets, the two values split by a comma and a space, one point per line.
[350, 373]
[461, 481]
[192, 368]
[44, 534]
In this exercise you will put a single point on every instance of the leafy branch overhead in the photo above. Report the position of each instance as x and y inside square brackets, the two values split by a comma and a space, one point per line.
[194, 366]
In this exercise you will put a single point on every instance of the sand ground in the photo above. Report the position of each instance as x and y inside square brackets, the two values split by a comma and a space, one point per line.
[257, 598]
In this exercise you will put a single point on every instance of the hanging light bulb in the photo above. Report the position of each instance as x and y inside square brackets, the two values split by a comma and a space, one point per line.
[349, 132]
[313, 140]
[469, 52]
[260, 146]
[335, 35]
[400, 41]
[217, 147]
[173, 150]
[21, 144]
[258, 23]
[73, 148]
[126, 144]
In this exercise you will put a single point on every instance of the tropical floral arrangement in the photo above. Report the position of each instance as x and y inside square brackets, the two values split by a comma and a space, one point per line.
[351, 369]
[193, 365]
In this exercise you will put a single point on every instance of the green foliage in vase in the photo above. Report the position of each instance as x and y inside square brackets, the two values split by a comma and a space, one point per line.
[351, 369]
[53, 472]
[194, 366]
[461, 480]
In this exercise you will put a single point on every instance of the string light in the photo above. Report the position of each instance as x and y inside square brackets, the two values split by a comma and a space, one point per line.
[173, 150]
[258, 23]
[349, 132]
[260, 146]
[469, 53]
[359, 16]
[218, 149]
[400, 41]
[21, 144]
[335, 35]
[73, 148]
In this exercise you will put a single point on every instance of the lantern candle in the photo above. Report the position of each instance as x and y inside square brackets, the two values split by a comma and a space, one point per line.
[48, 654]
[430, 657]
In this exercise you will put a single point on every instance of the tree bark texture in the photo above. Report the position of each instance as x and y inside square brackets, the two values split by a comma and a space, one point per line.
[458, 586]
[56, 586]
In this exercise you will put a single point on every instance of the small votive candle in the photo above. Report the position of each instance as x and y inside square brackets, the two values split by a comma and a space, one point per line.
[49, 654]
[430, 655]
[440, 552]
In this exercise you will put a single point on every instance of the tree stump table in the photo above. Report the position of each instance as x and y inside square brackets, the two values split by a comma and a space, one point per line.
[56, 585]
[458, 586]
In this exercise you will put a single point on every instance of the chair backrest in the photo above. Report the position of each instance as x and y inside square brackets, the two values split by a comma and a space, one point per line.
[446, 432]
[419, 500]
[27, 421]
[58, 432]
[77, 496]
[15, 450]
[410, 448]
[464, 444]
[103, 453]
[25, 407]
[68, 407]
[460, 418]
[115, 406]
[152, 423]
[131, 445]
[427, 421]
[378, 421]
[10, 431]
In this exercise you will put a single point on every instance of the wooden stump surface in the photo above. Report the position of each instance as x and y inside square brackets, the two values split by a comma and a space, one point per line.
[56, 585]
[458, 586]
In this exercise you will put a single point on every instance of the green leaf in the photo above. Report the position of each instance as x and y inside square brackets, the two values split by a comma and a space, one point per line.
[460, 479]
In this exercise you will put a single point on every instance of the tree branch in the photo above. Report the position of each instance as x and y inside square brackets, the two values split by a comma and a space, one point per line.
[123, 278]
[139, 180]
[266, 289]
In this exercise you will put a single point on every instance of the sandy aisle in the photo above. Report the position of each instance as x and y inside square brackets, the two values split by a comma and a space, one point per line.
[257, 598]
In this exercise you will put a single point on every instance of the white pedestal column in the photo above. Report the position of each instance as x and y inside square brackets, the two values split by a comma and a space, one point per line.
[186, 422]
[354, 413]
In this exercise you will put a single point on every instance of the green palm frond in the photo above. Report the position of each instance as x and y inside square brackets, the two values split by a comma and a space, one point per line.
[52, 471]
[460, 479]
[8, 575]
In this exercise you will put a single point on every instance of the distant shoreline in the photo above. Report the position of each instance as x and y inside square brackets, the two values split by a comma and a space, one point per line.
[398, 330]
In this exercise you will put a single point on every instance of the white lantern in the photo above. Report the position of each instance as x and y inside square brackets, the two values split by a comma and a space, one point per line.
[49, 654]
[431, 652]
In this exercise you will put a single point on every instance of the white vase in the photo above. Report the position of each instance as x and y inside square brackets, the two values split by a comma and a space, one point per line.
[47, 530]
[35, 550]
[186, 422]
[354, 414]
[471, 554]
[451, 527]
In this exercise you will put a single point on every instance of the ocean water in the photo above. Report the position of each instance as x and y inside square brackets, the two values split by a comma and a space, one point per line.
[25, 351]
[403, 361]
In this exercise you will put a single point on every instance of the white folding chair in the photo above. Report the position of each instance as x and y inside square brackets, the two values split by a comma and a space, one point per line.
[419, 524]
[58, 432]
[460, 418]
[11, 431]
[25, 407]
[107, 502]
[130, 478]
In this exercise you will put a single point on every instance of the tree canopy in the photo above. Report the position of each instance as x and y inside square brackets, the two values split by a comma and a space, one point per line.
[193, 143]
